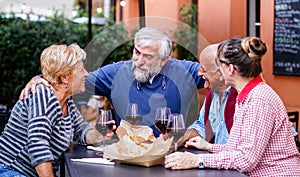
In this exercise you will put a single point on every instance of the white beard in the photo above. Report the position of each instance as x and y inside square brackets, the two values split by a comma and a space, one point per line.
[144, 77]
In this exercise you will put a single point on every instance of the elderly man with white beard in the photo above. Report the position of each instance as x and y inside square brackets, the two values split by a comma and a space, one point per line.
[150, 79]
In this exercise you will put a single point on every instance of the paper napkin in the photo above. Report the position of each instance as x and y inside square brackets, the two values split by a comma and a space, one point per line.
[94, 160]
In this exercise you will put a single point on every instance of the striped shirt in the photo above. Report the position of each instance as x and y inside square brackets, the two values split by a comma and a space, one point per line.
[260, 142]
[37, 132]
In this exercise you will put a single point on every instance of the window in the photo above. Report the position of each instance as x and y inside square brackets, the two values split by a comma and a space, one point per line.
[253, 18]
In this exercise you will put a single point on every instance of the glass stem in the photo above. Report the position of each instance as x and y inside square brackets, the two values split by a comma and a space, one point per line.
[103, 143]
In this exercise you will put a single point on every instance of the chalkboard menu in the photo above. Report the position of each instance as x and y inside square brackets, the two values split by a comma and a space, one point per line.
[286, 37]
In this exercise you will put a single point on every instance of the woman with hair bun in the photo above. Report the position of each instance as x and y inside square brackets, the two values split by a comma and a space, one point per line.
[260, 141]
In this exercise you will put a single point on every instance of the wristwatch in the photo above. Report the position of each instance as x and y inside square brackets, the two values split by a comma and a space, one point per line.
[201, 163]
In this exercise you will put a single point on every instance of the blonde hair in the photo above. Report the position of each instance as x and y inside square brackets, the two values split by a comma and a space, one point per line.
[60, 60]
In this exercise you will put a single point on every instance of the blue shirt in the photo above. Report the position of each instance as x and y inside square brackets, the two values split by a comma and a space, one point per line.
[174, 87]
[216, 118]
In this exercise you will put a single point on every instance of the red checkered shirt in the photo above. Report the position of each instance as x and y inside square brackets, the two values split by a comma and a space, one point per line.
[260, 142]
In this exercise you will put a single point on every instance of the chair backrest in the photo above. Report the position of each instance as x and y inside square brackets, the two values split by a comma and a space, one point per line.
[3, 120]
[294, 118]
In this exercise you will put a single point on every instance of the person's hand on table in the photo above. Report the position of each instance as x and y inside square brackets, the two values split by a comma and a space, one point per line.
[31, 85]
[199, 143]
[181, 160]
[111, 133]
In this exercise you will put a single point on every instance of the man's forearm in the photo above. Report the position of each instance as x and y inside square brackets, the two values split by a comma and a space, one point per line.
[190, 133]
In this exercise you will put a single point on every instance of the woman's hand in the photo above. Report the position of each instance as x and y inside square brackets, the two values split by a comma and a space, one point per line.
[31, 85]
[93, 136]
[199, 143]
[181, 160]
[111, 133]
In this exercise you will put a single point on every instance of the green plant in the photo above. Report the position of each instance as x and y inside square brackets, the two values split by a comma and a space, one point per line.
[186, 36]
[20, 46]
[22, 42]
[188, 14]
[112, 44]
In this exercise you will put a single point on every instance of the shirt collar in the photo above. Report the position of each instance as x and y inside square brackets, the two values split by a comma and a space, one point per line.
[226, 92]
[254, 82]
[151, 79]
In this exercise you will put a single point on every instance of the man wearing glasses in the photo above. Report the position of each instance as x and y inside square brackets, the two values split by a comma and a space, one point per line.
[216, 115]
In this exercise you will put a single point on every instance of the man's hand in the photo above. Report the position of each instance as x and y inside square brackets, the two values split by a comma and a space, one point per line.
[190, 133]
[30, 86]
[199, 143]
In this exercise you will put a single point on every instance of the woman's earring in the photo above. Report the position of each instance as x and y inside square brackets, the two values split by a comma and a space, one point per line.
[66, 86]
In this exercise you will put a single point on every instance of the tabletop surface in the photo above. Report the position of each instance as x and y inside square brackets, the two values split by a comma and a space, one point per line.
[79, 169]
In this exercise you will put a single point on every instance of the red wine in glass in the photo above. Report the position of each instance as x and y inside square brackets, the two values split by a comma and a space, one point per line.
[176, 127]
[161, 118]
[134, 120]
[169, 126]
[110, 125]
[133, 114]
[104, 122]
[161, 125]
[176, 133]
[103, 127]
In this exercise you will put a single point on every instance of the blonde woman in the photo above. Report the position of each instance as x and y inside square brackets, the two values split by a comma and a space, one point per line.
[42, 127]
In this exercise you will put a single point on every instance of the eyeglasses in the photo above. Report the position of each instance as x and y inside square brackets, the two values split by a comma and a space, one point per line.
[219, 61]
[201, 71]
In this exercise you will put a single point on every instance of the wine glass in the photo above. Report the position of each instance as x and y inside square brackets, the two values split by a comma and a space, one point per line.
[176, 127]
[104, 124]
[161, 119]
[133, 114]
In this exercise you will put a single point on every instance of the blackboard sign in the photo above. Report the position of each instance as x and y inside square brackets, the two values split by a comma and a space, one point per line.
[286, 38]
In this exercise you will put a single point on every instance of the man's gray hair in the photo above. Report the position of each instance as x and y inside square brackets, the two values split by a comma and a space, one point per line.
[150, 36]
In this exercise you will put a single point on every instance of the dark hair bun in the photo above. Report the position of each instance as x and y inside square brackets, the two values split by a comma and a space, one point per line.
[254, 47]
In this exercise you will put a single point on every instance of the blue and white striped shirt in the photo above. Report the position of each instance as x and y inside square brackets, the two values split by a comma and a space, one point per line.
[37, 132]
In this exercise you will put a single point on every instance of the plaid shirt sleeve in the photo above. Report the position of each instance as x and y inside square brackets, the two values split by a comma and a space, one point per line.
[217, 148]
[254, 136]
[258, 138]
